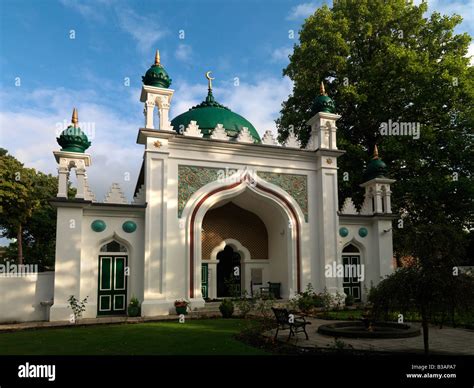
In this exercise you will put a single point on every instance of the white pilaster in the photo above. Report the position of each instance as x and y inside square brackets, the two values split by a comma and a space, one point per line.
[63, 177]
[81, 178]
[327, 230]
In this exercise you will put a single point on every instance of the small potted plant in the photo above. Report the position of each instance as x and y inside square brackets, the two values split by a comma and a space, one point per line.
[134, 307]
[349, 300]
[226, 308]
[181, 306]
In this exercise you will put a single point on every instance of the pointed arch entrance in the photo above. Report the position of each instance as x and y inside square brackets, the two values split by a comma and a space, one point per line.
[215, 192]
[112, 282]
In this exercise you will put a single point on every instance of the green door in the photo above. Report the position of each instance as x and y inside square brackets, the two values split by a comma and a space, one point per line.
[204, 280]
[351, 283]
[112, 295]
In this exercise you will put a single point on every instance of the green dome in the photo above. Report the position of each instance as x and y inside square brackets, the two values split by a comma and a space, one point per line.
[156, 75]
[323, 103]
[72, 139]
[208, 114]
[376, 167]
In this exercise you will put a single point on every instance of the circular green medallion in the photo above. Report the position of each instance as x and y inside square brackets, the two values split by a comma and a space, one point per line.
[343, 232]
[363, 232]
[98, 226]
[129, 226]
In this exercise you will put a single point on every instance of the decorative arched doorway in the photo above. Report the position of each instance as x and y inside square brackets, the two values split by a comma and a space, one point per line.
[215, 192]
[112, 282]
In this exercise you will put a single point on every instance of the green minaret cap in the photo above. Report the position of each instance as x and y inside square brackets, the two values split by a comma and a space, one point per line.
[323, 103]
[156, 75]
[72, 139]
[376, 167]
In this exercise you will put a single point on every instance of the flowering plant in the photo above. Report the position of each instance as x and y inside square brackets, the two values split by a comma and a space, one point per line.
[181, 303]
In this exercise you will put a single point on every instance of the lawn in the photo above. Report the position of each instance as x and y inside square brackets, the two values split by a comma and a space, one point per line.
[195, 337]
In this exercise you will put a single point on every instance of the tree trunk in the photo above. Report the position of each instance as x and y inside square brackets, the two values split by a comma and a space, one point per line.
[20, 244]
[424, 324]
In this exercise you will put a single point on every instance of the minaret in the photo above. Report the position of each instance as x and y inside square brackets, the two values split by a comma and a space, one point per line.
[377, 204]
[72, 155]
[323, 123]
[377, 198]
[325, 197]
[156, 92]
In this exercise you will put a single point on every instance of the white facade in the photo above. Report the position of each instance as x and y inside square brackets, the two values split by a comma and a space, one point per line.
[162, 244]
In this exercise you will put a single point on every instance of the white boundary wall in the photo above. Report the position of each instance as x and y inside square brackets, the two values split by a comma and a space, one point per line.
[21, 297]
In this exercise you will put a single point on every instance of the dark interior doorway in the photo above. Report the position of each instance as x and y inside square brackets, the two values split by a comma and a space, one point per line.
[228, 273]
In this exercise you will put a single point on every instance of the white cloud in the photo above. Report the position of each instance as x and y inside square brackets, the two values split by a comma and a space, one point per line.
[115, 155]
[302, 11]
[88, 10]
[462, 8]
[146, 31]
[183, 52]
[259, 103]
[281, 54]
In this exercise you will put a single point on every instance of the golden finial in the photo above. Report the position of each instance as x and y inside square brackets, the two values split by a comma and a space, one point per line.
[157, 58]
[376, 152]
[75, 118]
[322, 90]
[209, 80]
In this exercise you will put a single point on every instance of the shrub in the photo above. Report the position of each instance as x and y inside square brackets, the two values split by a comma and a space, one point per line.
[77, 306]
[226, 308]
[327, 299]
[318, 300]
[245, 305]
[133, 307]
[349, 300]
[337, 300]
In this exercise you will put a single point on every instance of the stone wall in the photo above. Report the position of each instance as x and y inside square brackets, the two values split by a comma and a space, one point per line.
[26, 298]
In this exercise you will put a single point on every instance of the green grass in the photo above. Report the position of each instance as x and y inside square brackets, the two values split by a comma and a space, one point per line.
[194, 337]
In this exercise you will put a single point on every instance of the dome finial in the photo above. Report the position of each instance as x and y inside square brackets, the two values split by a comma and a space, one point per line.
[376, 152]
[209, 80]
[75, 118]
[157, 58]
[322, 90]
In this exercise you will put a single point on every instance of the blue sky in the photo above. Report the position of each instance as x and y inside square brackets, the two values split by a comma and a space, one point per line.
[115, 40]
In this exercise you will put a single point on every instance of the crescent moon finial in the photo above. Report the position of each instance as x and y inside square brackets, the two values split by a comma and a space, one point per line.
[209, 79]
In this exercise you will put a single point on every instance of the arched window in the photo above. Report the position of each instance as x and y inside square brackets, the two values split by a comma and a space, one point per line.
[350, 249]
[113, 246]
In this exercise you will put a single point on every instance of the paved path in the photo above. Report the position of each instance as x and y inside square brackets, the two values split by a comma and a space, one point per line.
[442, 341]
[4, 327]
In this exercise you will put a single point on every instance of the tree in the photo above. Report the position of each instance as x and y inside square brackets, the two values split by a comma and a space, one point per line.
[384, 61]
[16, 198]
[27, 214]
